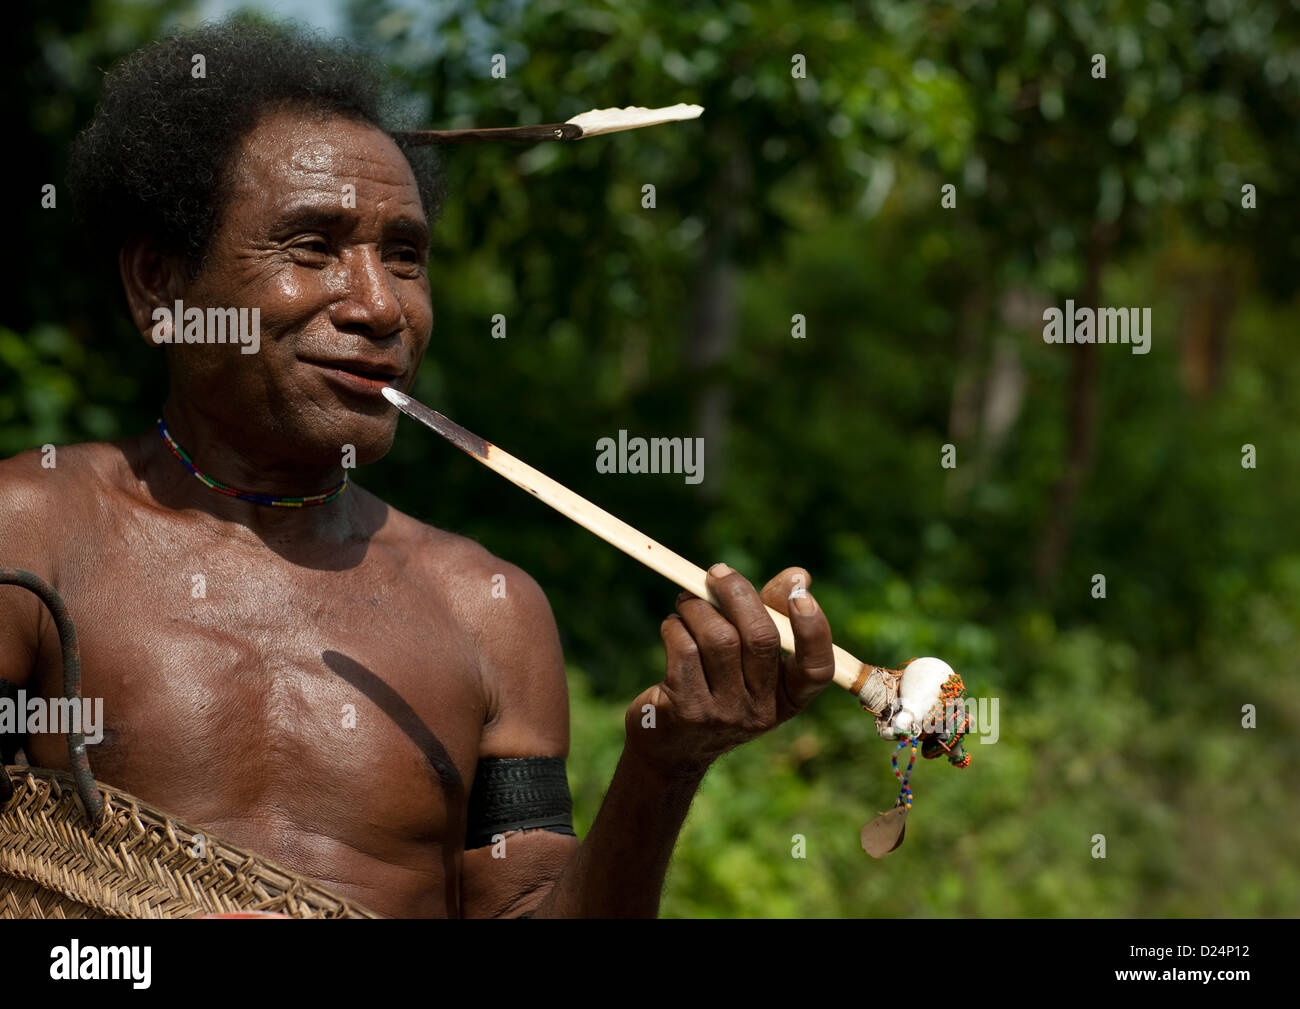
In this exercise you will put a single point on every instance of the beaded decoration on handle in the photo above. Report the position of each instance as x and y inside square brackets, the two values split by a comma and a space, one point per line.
[939, 732]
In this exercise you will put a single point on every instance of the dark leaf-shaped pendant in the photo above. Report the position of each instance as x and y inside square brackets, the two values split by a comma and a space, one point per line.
[885, 833]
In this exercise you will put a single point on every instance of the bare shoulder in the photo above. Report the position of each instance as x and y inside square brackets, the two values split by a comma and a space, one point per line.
[42, 477]
[33, 491]
[46, 489]
[28, 499]
[27, 487]
[41, 492]
[508, 619]
[482, 587]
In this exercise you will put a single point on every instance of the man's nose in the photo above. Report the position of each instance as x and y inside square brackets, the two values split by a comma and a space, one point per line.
[369, 301]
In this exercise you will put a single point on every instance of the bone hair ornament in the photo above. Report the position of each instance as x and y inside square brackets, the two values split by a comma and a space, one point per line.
[903, 701]
[592, 123]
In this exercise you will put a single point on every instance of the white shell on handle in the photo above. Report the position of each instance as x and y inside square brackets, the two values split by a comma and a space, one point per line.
[922, 681]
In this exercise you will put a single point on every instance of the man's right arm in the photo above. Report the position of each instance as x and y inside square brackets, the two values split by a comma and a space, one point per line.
[25, 507]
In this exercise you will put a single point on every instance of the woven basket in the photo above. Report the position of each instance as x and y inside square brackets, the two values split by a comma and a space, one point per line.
[137, 863]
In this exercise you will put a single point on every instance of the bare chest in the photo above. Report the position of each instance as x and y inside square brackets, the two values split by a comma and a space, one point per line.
[318, 713]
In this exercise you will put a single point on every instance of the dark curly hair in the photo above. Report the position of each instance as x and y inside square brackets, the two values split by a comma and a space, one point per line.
[153, 161]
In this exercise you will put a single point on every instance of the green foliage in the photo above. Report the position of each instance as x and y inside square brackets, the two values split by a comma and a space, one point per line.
[54, 390]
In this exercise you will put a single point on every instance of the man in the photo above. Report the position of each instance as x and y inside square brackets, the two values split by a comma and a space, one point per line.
[333, 685]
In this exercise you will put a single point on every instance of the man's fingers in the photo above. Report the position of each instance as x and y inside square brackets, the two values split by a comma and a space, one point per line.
[776, 593]
[760, 641]
[683, 666]
[813, 666]
[719, 646]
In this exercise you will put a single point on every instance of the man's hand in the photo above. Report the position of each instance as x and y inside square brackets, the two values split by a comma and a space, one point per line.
[727, 681]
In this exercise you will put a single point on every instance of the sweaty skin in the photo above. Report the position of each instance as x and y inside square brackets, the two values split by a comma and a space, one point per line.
[319, 684]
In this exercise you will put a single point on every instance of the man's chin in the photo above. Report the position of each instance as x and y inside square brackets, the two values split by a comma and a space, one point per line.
[356, 433]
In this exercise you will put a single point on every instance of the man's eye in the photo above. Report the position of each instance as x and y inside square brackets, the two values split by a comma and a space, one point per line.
[407, 257]
[310, 248]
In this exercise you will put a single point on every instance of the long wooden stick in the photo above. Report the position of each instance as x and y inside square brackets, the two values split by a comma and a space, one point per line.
[850, 673]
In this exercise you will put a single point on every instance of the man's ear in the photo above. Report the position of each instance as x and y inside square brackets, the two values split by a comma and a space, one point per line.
[151, 279]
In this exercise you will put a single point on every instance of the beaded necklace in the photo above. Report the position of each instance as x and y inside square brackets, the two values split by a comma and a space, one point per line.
[278, 500]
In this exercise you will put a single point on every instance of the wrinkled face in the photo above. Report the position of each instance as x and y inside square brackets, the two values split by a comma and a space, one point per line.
[323, 233]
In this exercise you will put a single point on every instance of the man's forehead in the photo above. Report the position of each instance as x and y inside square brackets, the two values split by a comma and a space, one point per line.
[287, 153]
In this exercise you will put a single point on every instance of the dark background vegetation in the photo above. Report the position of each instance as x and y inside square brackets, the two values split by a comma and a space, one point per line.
[1119, 716]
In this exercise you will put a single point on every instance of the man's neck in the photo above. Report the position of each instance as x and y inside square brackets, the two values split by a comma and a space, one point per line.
[259, 469]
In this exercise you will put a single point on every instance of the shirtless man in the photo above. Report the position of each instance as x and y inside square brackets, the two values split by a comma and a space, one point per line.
[225, 707]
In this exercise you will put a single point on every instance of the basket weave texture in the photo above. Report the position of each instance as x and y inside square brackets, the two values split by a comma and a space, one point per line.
[136, 864]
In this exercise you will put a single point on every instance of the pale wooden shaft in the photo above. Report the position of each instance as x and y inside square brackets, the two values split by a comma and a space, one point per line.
[635, 544]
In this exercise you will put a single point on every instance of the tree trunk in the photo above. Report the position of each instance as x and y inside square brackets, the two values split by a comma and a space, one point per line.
[1081, 424]
[712, 334]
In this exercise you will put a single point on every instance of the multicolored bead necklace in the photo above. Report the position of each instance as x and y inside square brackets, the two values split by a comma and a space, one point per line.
[279, 501]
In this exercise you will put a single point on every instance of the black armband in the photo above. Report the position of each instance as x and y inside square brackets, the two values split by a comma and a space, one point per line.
[518, 793]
